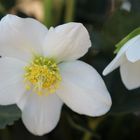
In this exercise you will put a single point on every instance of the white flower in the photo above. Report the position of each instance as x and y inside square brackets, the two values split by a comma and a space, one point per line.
[128, 59]
[126, 5]
[39, 71]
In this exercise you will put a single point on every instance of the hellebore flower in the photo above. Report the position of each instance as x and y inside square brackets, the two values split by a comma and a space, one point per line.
[128, 59]
[39, 72]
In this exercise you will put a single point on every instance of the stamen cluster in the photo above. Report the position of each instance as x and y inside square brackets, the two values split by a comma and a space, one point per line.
[43, 73]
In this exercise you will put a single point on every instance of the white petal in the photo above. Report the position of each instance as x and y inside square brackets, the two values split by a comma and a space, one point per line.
[11, 80]
[20, 37]
[40, 114]
[83, 90]
[66, 42]
[120, 58]
[133, 53]
[115, 63]
[130, 74]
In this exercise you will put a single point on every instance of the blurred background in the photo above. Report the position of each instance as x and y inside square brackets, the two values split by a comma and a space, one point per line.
[107, 21]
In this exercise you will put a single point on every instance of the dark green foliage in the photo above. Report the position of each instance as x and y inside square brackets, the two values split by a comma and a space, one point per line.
[8, 114]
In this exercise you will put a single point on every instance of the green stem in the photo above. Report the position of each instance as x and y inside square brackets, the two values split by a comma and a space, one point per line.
[48, 13]
[70, 6]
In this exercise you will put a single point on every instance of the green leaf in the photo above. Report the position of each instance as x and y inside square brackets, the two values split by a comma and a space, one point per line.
[127, 38]
[8, 114]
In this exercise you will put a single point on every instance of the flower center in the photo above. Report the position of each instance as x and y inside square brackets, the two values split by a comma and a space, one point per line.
[42, 73]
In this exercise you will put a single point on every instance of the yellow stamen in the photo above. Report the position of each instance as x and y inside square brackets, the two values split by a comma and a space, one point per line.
[42, 73]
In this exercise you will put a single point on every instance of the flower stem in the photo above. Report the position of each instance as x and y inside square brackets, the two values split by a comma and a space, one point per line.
[69, 13]
[48, 14]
